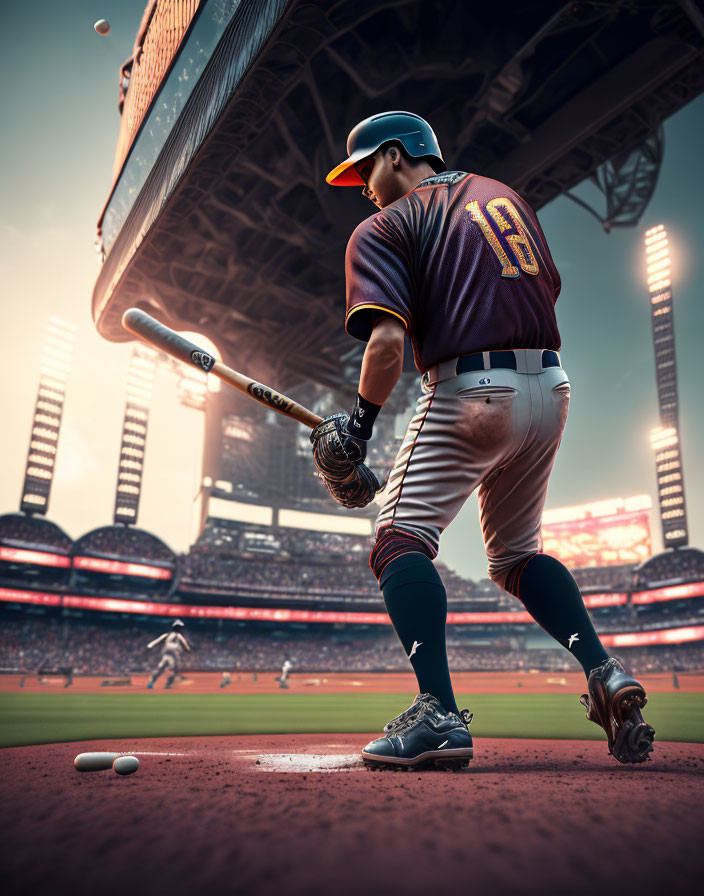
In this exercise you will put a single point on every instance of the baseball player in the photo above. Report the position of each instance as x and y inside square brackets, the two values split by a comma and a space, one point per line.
[286, 667]
[459, 264]
[174, 644]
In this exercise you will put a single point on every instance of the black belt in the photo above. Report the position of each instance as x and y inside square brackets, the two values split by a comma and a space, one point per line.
[504, 359]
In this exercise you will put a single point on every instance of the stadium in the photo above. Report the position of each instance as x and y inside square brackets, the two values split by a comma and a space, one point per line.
[252, 595]
[218, 223]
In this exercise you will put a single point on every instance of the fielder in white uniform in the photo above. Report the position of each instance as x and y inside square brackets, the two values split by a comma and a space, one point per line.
[285, 669]
[174, 644]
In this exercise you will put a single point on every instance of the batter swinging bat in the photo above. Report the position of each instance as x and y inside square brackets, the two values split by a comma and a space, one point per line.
[140, 324]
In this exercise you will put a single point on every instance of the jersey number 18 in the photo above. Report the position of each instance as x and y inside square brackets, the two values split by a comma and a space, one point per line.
[506, 216]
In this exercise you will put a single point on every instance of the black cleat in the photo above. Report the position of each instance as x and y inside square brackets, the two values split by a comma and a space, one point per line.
[614, 701]
[423, 736]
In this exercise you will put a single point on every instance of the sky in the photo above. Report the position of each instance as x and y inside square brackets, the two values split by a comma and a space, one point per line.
[58, 100]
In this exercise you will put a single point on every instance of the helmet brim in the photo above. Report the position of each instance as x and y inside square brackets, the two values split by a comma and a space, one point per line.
[345, 174]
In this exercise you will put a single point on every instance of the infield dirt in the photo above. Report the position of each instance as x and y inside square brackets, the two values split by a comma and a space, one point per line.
[299, 814]
[531, 682]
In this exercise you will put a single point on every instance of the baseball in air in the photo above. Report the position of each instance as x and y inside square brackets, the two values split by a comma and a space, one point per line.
[102, 27]
[126, 765]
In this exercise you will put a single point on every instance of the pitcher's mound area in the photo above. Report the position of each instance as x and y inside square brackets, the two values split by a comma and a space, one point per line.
[301, 815]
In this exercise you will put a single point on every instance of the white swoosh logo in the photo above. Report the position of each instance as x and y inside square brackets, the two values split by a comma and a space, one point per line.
[416, 645]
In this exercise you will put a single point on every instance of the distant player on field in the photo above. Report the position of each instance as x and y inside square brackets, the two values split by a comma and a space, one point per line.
[174, 644]
[285, 669]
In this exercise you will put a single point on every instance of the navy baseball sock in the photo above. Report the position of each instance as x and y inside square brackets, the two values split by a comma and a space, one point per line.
[417, 605]
[552, 597]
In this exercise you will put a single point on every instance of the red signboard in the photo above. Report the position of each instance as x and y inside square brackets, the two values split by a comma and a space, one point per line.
[11, 595]
[487, 618]
[593, 600]
[675, 592]
[261, 614]
[605, 600]
[39, 558]
[101, 564]
[662, 636]
[265, 614]
[271, 614]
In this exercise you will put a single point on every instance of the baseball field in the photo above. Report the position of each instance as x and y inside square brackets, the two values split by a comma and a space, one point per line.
[506, 705]
[252, 788]
[37, 714]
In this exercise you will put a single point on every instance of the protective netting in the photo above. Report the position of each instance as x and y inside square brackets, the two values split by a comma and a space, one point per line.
[161, 31]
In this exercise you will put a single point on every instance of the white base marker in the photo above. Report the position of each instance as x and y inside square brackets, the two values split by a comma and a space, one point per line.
[309, 762]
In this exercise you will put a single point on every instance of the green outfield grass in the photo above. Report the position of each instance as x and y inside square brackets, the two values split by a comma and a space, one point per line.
[51, 718]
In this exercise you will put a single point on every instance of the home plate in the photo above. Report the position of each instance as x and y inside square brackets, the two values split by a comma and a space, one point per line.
[309, 762]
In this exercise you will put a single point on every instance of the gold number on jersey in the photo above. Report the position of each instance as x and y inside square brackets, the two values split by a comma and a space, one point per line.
[506, 216]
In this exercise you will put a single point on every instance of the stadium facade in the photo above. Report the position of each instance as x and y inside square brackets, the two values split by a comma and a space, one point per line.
[279, 589]
[219, 221]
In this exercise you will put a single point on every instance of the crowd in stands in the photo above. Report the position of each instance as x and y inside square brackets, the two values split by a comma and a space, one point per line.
[300, 542]
[227, 536]
[608, 578]
[316, 563]
[126, 543]
[235, 562]
[35, 578]
[671, 568]
[19, 530]
[29, 643]
[233, 573]
[683, 658]
[352, 580]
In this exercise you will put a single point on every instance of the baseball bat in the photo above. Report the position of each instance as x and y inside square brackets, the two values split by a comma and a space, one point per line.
[142, 325]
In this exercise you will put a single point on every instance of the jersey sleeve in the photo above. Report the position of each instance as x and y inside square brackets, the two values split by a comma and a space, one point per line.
[156, 640]
[378, 273]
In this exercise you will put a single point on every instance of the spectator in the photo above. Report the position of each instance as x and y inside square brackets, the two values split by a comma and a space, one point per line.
[116, 648]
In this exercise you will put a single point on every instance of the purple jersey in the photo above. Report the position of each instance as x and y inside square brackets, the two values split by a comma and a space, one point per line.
[463, 262]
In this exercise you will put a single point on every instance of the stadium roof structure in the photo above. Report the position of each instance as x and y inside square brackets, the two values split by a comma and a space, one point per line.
[672, 565]
[220, 220]
[33, 531]
[128, 543]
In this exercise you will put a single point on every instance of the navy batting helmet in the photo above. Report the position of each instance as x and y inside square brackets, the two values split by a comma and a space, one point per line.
[411, 131]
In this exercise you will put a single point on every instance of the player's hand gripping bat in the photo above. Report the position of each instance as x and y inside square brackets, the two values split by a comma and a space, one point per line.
[355, 491]
[140, 324]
